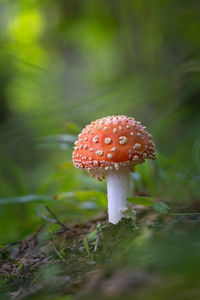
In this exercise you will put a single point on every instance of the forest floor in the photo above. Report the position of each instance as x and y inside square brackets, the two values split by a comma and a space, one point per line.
[156, 257]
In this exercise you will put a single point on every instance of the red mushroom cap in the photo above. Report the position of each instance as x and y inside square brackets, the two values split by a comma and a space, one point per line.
[110, 142]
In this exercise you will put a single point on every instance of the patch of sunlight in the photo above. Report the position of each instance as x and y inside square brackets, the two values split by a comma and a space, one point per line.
[26, 27]
[24, 30]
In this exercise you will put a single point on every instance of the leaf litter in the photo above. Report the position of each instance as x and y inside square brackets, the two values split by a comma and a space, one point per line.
[93, 259]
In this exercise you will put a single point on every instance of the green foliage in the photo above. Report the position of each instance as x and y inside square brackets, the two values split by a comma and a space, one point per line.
[146, 201]
[86, 245]
[161, 207]
[94, 234]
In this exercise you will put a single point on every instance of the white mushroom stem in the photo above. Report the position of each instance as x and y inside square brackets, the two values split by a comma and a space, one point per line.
[119, 188]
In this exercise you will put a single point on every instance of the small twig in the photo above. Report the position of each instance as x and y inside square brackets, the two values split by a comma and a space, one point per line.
[185, 214]
[47, 219]
[39, 229]
[20, 266]
[11, 244]
[41, 260]
[56, 218]
[8, 245]
[96, 244]
[97, 240]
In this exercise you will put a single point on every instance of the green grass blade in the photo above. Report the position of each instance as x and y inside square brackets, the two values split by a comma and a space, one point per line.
[26, 199]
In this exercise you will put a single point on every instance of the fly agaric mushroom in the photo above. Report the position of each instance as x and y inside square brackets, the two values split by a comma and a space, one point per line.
[112, 147]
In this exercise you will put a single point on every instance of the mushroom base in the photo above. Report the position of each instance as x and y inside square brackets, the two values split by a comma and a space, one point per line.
[118, 189]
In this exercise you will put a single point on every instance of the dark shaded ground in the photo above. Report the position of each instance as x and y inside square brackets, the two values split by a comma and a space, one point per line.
[157, 257]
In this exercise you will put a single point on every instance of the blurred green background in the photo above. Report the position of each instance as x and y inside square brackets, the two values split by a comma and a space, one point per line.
[65, 63]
